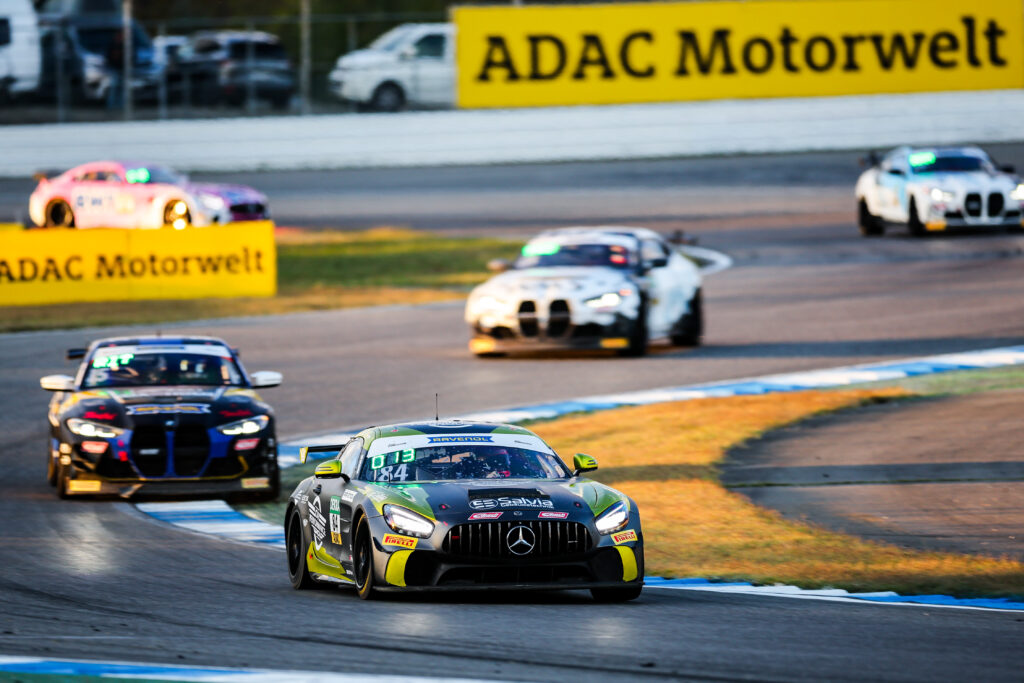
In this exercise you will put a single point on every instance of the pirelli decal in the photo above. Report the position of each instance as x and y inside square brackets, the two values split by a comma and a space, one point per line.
[400, 541]
[656, 52]
[628, 536]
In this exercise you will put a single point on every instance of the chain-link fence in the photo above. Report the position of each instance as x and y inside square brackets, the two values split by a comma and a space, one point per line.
[191, 67]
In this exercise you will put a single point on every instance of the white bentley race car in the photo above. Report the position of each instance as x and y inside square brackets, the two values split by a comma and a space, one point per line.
[931, 189]
[588, 288]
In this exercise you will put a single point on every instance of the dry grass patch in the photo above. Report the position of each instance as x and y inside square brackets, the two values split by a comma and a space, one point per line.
[664, 456]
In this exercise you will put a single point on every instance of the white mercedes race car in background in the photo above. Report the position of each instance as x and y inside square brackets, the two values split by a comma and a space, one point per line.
[937, 188]
[588, 288]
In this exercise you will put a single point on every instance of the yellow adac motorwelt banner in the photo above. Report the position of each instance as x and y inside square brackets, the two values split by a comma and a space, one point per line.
[69, 266]
[659, 52]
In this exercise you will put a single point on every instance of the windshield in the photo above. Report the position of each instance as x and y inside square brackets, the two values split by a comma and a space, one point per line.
[463, 461]
[547, 254]
[926, 162]
[153, 174]
[390, 40]
[132, 367]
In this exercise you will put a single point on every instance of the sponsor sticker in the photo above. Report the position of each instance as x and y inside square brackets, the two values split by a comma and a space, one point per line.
[460, 439]
[552, 515]
[400, 541]
[255, 482]
[507, 502]
[170, 408]
[486, 515]
[335, 504]
[84, 485]
[348, 496]
[317, 522]
[624, 537]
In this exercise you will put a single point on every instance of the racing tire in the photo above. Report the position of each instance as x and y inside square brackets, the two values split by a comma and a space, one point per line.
[171, 214]
[63, 476]
[59, 215]
[638, 337]
[914, 224]
[387, 97]
[690, 327]
[624, 594]
[870, 224]
[362, 560]
[295, 547]
[51, 468]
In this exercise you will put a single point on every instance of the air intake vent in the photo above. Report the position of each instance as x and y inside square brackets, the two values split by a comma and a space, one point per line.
[516, 539]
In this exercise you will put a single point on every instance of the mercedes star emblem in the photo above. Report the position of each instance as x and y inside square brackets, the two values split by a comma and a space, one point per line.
[520, 540]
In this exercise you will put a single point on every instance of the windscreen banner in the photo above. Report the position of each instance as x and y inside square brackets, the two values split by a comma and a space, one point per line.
[531, 56]
[70, 266]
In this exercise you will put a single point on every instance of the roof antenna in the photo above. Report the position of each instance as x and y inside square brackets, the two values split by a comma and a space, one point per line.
[437, 415]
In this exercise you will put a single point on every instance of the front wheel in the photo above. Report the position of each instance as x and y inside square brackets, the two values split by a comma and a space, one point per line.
[63, 477]
[914, 223]
[362, 558]
[638, 337]
[51, 467]
[870, 225]
[59, 215]
[295, 545]
[624, 594]
[387, 97]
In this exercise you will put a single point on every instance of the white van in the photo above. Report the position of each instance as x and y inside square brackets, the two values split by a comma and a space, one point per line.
[410, 65]
[20, 57]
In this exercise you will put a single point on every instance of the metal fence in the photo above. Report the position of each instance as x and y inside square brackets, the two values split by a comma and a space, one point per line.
[79, 80]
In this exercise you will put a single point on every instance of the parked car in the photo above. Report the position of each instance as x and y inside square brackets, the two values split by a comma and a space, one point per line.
[410, 65]
[20, 59]
[75, 49]
[225, 66]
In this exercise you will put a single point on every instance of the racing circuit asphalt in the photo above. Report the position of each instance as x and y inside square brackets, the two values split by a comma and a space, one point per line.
[93, 580]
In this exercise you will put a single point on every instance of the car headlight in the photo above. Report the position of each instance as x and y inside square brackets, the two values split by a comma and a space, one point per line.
[407, 522]
[93, 429]
[939, 195]
[212, 202]
[609, 299]
[1018, 193]
[489, 303]
[249, 425]
[614, 518]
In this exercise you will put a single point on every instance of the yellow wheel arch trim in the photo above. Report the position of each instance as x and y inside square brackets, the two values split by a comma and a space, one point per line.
[395, 573]
[628, 562]
[320, 563]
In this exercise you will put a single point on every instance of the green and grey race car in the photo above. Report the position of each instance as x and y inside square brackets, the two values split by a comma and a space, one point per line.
[452, 505]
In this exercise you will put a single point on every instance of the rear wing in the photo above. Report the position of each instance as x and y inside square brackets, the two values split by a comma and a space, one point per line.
[40, 176]
[332, 448]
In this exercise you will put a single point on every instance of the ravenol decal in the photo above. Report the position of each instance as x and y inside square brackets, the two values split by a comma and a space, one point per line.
[624, 537]
[460, 439]
[659, 51]
[169, 408]
[400, 541]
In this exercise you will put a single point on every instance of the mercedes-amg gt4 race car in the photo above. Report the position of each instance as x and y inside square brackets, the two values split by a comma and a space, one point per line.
[588, 288]
[930, 189]
[161, 416]
[113, 194]
[457, 506]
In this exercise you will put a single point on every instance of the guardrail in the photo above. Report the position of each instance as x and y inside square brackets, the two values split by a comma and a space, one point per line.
[527, 135]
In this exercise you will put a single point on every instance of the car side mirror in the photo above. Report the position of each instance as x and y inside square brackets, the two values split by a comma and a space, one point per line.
[75, 354]
[498, 265]
[1008, 168]
[583, 463]
[657, 263]
[330, 470]
[407, 53]
[896, 171]
[57, 383]
[265, 378]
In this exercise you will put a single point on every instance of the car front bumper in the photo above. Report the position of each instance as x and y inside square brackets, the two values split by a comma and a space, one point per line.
[608, 331]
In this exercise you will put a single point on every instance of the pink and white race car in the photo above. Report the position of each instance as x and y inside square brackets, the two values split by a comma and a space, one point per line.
[120, 194]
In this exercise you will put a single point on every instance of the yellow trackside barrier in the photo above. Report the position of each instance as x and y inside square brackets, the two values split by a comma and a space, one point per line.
[661, 52]
[68, 266]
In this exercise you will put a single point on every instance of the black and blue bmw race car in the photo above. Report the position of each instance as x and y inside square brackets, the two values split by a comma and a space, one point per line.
[164, 416]
[460, 505]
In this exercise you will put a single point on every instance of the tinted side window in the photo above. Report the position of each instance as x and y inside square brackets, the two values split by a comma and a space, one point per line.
[431, 45]
[5, 31]
[652, 249]
[350, 457]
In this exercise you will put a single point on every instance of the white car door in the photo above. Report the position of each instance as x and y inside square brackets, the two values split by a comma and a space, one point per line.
[433, 77]
[892, 190]
[666, 297]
